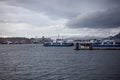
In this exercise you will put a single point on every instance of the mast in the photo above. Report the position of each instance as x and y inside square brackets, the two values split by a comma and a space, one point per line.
[58, 36]
[62, 37]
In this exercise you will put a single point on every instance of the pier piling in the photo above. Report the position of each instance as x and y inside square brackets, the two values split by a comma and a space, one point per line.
[76, 46]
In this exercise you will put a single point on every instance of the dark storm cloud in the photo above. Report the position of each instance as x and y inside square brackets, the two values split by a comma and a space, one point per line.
[107, 19]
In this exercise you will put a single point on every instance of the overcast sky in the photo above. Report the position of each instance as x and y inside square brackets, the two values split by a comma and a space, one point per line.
[30, 18]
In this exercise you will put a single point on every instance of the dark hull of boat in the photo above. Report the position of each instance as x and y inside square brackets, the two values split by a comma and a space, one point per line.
[58, 45]
[106, 45]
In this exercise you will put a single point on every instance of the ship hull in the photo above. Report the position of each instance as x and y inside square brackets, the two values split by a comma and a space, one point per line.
[106, 45]
[58, 45]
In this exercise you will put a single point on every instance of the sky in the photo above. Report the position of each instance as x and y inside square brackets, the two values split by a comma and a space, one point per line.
[80, 18]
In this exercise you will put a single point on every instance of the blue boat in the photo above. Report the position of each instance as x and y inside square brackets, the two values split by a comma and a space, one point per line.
[58, 43]
[104, 45]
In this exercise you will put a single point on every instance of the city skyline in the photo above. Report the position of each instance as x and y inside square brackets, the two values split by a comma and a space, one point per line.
[30, 18]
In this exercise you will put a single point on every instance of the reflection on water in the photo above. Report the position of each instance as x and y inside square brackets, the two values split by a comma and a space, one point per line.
[35, 62]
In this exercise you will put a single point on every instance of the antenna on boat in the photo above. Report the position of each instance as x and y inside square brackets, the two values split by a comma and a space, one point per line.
[62, 37]
[58, 36]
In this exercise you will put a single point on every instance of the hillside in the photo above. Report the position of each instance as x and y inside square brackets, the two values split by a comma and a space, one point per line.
[117, 36]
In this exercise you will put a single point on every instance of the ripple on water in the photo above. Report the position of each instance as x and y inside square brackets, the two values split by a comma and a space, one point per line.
[35, 62]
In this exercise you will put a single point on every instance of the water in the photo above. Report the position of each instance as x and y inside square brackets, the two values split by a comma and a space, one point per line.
[35, 62]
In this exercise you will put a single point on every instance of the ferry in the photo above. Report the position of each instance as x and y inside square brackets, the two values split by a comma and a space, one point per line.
[104, 45]
[107, 44]
[58, 43]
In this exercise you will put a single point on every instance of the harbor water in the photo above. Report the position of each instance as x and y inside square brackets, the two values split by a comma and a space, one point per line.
[36, 62]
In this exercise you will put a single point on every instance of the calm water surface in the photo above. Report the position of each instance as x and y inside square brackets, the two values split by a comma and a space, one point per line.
[35, 62]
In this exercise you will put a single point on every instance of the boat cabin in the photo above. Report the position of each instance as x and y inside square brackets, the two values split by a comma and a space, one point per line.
[112, 42]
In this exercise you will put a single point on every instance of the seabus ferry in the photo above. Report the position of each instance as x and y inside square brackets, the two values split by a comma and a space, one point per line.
[104, 45]
[58, 43]
[107, 45]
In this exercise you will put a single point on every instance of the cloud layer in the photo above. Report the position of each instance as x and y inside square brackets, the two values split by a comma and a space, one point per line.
[81, 13]
[55, 15]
